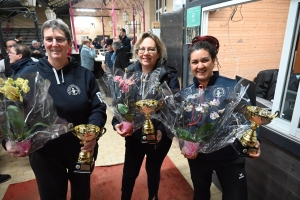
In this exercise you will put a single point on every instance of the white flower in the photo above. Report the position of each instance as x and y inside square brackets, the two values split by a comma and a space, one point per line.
[215, 102]
[188, 108]
[204, 105]
[221, 111]
[199, 108]
[214, 115]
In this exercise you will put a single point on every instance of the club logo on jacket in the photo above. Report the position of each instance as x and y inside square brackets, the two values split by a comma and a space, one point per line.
[73, 90]
[218, 92]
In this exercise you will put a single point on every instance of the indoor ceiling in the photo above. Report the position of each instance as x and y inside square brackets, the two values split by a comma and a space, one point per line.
[103, 8]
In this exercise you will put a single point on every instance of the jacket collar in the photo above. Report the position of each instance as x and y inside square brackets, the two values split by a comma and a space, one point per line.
[211, 81]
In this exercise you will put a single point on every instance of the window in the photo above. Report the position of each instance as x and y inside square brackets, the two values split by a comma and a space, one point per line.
[287, 89]
[158, 9]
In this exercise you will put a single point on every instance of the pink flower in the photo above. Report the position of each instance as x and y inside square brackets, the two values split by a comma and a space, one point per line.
[125, 88]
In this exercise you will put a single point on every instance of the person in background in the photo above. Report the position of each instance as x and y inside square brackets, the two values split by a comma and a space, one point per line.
[226, 162]
[36, 51]
[152, 55]
[120, 57]
[108, 62]
[5, 63]
[19, 39]
[54, 163]
[96, 44]
[88, 55]
[19, 56]
[125, 41]
[103, 44]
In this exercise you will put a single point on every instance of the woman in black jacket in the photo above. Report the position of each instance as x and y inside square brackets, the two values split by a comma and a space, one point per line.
[151, 53]
[226, 162]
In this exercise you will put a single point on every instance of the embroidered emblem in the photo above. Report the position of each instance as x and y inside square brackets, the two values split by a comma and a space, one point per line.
[73, 90]
[99, 95]
[219, 92]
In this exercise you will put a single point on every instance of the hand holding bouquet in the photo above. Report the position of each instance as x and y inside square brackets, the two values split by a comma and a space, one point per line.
[27, 115]
[207, 116]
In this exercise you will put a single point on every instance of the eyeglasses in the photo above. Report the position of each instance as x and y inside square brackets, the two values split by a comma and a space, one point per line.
[150, 50]
[11, 52]
[59, 40]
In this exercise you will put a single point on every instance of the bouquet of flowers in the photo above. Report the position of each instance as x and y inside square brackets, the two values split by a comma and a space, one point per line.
[128, 88]
[27, 115]
[206, 118]
[120, 101]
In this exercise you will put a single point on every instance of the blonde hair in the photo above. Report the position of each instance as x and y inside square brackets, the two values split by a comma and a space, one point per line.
[160, 46]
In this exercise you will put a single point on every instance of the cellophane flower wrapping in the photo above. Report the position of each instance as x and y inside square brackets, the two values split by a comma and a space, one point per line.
[28, 117]
[125, 89]
[152, 88]
[120, 97]
[208, 120]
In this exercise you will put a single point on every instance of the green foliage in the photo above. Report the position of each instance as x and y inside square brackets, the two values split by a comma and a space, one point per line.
[123, 109]
[16, 120]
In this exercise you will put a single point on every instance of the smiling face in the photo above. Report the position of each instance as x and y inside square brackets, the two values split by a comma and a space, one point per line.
[202, 65]
[150, 56]
[57, 50]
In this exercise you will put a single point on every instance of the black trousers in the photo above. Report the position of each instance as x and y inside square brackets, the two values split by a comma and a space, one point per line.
[53, 166]
[134, 155]
[231, 175]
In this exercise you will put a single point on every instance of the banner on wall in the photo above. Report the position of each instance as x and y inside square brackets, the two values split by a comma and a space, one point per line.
[193, 20]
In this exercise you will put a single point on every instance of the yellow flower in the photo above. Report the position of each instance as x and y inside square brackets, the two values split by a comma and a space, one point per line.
[1, 81]
[23, 84]
[12, 93]
[25, 88]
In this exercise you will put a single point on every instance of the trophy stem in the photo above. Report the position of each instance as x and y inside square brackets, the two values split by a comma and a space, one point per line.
[148, 127]
[249, 138]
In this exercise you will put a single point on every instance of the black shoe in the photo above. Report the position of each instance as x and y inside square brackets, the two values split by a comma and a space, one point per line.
[4, 178]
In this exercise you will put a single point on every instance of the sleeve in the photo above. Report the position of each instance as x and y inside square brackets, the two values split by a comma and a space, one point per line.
[98, 113]
[127, 45]
[124, 60]
[88, 54]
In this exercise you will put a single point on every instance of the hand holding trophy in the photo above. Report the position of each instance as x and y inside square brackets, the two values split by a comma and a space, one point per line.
[148, 107]
[257, 116]
[86, 132]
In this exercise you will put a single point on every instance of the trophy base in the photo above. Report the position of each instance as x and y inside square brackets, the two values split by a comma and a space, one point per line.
[149, 138]
[244, 151]
[83, 167]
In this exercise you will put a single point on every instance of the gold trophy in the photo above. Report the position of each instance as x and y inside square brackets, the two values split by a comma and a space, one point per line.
[148, 107]
[86, 132]
[257, 116]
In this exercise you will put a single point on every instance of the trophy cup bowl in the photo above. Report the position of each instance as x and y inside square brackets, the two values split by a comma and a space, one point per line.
[85, 133]
[257, 116]
[148, 107]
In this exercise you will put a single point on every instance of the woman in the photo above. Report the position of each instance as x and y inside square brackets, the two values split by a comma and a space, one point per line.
[151, 53]
[226, 162]
[75, 95]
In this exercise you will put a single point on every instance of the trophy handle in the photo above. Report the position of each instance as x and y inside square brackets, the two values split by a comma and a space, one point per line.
[159, 105]
[276, 114]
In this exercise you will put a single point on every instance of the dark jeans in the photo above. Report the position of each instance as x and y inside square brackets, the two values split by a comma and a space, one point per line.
[134, 155]
[50, 165]
[231, 174]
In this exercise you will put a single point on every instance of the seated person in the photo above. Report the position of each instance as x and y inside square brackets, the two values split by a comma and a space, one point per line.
[36, 51]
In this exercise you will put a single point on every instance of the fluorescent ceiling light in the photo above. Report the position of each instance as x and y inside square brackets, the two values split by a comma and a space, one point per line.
[86, 10]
